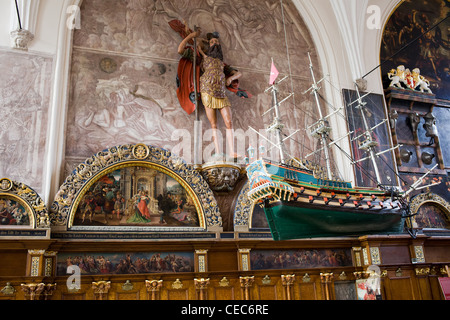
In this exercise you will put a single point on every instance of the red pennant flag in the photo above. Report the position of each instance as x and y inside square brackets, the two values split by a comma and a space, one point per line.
[273, 74]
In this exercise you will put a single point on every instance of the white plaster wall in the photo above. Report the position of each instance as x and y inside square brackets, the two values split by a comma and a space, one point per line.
[5, 21]
[49, 17]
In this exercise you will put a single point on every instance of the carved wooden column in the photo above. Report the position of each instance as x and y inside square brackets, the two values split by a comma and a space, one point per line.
[326, 279]
[201, 285]
[246, 284]
[101, 289]
[287, 281]
[153, 288]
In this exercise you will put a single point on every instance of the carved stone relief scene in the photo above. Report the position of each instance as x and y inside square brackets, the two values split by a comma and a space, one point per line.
[25, 95]
[123, 86]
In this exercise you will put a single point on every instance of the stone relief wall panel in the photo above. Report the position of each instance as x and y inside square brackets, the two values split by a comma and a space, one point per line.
[123, 77]
[25, 96]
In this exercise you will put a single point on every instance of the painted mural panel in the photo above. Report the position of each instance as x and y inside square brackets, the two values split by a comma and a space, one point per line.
[126, 263]
[432, 216]
[300, 259]
[124, 73]
[136, 196]
[25, 97]
[13, 212]
[430, 53]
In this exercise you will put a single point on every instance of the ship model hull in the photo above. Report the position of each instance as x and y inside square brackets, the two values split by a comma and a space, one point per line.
[298, 205]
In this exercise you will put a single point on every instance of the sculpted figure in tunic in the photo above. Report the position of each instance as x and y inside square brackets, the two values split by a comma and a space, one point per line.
[216, 78]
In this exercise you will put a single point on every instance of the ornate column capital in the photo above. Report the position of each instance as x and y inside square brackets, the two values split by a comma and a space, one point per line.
[201, 285]
[33, 291]
[287, 280]
[101, 288]
[246, 284]
[153, 287]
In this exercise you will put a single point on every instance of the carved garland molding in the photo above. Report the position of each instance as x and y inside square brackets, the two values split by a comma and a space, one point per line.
[95, 166]
[26, 195]
[423, 198]
[243, 209]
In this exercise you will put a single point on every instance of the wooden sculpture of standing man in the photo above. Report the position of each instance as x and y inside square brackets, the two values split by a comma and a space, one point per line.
[216, 77]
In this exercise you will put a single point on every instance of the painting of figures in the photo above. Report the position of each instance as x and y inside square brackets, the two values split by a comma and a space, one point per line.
[126, 263]
[303, 258]
[420, 26]
[430, 215]
[13, 212]
[136, 196]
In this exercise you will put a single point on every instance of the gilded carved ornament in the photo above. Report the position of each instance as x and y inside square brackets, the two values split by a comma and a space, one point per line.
[423, 198]
[25, 195]
[87, 173]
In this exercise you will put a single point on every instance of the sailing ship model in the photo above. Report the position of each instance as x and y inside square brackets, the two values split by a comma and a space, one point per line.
[299, 203]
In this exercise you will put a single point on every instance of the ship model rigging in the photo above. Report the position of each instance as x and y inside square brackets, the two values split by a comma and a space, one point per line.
[299, 203]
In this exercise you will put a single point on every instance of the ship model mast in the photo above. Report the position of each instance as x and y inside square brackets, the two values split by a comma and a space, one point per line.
[277, 126]
[368, 144]
[321, 129]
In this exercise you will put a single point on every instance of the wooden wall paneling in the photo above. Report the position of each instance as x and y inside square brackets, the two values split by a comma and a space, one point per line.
[223, 260]
[178, 289]
[267, 288]
[224, 288]
[436, 291]
[308, 288]
[127, 290]
[400, 285]
[13, 263]
[423, 282]
[127, 295]
[73, 296]
[177, 294]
